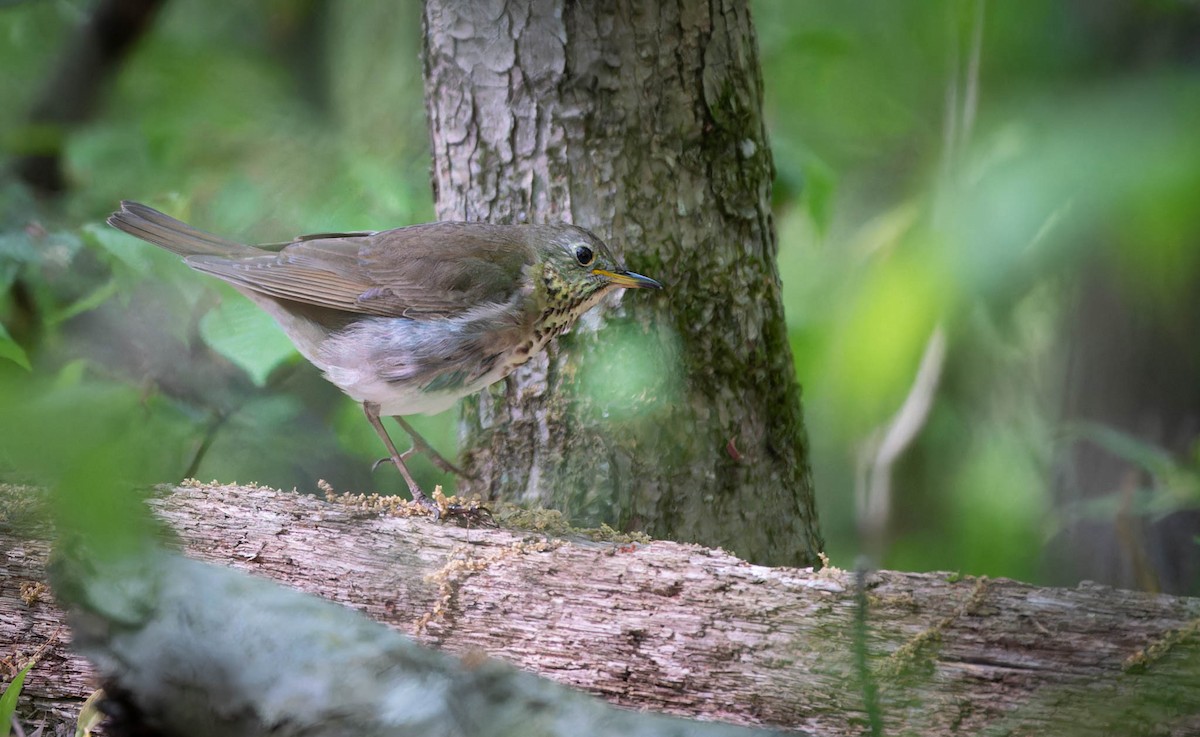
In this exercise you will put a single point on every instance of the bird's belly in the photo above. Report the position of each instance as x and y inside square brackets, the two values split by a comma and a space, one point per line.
[410, 368]
[396, 400]
[409, 398]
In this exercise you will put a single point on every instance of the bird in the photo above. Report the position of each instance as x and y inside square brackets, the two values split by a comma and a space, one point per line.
[408, 320]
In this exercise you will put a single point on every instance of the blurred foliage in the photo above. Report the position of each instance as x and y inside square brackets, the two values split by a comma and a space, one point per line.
[8, 699]
[262, 121]
[915, 188]
[903, 206]
[1173, 483]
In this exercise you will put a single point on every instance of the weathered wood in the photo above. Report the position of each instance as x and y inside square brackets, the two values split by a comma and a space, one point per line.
[683, 629]
[193, 649]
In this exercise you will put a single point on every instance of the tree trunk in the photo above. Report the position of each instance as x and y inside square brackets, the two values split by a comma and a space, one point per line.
[673, 628]
[641, 122]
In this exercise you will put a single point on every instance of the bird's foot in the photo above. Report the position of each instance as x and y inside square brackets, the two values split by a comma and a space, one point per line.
[421, 500]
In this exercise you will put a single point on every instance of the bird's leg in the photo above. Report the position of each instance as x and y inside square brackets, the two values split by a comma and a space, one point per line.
[469, 513]
[372, 411]
[420, 444]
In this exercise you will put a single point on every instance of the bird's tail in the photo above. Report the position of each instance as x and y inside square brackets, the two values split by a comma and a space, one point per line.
[174, 235]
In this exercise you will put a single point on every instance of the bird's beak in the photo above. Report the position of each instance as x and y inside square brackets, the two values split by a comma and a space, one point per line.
[628, 279]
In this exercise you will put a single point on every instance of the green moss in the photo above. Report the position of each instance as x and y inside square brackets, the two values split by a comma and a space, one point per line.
[1185, 637]
[23, 510]
[554, 522]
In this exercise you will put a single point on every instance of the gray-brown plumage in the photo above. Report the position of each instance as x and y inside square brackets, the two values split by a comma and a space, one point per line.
[408, 320]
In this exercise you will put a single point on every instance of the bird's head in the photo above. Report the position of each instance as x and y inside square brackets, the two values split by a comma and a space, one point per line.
[577, 262]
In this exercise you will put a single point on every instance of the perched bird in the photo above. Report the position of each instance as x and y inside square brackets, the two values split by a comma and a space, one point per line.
[408, 320]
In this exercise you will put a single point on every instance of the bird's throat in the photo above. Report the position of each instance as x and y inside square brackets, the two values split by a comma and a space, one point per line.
[564, 302]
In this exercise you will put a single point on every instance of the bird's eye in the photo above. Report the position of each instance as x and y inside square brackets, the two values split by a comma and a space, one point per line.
[584, 255]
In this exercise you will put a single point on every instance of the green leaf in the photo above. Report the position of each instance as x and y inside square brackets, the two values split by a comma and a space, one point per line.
[71, 375]
[247, 336]
[86, 303]
[125, 249]
[1149, 456]
[16, 250]
[8, 700]
[12, 350]
[820, 185]
[90, 716]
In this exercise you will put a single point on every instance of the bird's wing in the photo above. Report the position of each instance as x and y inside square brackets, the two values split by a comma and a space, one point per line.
[422, 271]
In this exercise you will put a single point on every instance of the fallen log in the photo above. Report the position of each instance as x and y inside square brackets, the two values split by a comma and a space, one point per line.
[671, 627]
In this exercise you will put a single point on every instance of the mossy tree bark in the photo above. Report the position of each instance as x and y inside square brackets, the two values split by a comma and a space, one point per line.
[641, 122]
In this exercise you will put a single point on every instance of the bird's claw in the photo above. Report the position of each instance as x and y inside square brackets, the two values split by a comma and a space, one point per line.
[434, 509]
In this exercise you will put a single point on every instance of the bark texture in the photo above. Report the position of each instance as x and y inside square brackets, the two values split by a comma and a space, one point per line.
[296, 665]
[679, 628]
[641, 122]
